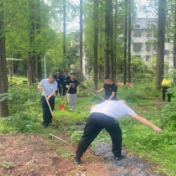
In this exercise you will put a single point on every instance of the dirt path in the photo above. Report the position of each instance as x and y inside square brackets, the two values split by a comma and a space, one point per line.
[32, 155]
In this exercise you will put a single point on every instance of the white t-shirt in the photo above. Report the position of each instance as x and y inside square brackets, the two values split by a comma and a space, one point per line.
[114, 109]
[48, 87]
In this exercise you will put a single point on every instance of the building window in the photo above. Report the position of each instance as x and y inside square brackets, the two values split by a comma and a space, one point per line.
[154, 46]
[168, 40]
[137, 56]
[148, 47]
[148, 35]
[147, 58]
[166, 52]
[137, 33]
[137, 26]
[137, 46]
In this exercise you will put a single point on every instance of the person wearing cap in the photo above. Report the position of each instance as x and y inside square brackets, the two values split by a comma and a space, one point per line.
[110, 89]
[65, 78]
[105, 115]
[50, 87]
[73, 86]
[59, 82]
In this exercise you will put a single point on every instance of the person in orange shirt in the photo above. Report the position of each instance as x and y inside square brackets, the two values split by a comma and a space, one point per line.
[166, 83]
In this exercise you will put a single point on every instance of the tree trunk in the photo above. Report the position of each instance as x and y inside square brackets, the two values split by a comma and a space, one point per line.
[106, 57]
[129, 40]
[96, 3]
[115, 38]
[38, 28]
[174, 56]
[160, 43]
[125, 42]
[3, 71]
[64, 31]
[111, 40]
[81, 33]
[31, 57]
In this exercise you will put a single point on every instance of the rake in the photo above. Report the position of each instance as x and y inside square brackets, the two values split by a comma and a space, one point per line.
[80, 77]
[62, 107]
[49, 106]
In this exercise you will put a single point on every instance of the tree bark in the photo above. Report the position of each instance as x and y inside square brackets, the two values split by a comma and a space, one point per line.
[38, 28]
[160, 42]
[111, 40]
[107, 23]
[129, 40]
[31, 57]
[3, 71]
[174, 47]
[125, 42]
[96, 3]
[81, 33]
[115, 38]
[64, 30]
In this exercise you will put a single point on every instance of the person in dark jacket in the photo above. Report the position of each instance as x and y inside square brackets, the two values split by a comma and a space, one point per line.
[59, 82]
[65, 78]
[110, 89]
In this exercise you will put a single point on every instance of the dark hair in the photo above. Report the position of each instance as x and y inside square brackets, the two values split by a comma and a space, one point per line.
[57, 71]
[53, 76]
[107, 77]
[72, 73]
[65, 71]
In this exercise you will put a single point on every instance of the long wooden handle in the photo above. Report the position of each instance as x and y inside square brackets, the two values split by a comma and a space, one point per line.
[47, 101]
[91, 90]
[66, 95]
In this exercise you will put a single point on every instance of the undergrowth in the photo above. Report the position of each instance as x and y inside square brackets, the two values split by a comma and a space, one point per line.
[26, 117]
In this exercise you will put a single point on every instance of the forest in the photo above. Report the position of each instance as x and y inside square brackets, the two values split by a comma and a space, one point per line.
[103, 38]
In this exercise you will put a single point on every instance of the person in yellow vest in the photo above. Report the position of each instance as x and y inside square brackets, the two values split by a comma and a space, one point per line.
[166, 83]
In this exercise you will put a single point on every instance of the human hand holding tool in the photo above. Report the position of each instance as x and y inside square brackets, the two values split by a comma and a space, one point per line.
[47, 100]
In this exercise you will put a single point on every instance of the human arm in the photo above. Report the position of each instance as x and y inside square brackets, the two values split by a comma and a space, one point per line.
[112, 95]
[77, 89]
[101, 90]
[40, 85]
[146, 122]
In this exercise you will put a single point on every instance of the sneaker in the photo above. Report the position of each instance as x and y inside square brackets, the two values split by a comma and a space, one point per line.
[118, 158]
[77, 161]
[70, 109]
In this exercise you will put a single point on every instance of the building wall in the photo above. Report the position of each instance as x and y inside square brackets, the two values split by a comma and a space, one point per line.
[147, 36]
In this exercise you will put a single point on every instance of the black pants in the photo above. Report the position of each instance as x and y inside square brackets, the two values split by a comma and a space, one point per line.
[164, 94]
[60, 90]
[64, 89]
[95, 123]
[47, 117]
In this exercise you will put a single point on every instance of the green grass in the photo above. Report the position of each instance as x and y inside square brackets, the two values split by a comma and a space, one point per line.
[26, 117]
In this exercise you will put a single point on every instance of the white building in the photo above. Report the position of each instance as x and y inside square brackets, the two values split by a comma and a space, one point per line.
[144, 41]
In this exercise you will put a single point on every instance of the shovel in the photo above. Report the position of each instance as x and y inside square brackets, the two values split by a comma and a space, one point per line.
[49, 107]
[62, 107]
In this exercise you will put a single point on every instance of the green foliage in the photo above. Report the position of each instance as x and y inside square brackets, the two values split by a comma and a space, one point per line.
[7, 165]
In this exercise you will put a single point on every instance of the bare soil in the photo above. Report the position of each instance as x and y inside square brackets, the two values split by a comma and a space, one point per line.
[32, 155]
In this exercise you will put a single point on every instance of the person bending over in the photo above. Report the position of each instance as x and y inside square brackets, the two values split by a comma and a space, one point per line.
[73, 86]
[50, 87]
[110, 89]
[105, 115]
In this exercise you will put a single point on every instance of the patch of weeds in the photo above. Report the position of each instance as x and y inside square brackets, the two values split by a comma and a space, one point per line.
[76, 136]
[64, 153]
[7, 165]
[1, 146]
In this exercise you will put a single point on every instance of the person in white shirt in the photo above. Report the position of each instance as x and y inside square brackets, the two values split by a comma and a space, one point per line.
[50, 87]
[105, 115]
